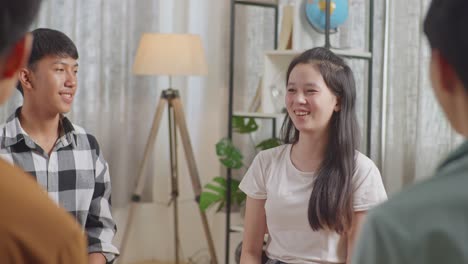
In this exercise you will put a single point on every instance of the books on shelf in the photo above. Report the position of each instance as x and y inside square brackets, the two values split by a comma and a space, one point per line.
[261, 2]
[286, 31]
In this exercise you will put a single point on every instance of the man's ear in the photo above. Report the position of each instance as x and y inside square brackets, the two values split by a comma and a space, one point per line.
[448, 78]
[24, 77]
[17, 57]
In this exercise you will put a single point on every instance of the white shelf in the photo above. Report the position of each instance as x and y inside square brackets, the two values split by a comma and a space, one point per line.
[282, 52]
[352, 53]
[258, 2]
[259, 115]
[237, 228]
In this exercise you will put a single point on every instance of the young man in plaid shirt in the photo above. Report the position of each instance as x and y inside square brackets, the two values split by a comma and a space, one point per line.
[64, 159]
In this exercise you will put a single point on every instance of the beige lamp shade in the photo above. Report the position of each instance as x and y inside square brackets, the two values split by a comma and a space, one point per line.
[170, 54]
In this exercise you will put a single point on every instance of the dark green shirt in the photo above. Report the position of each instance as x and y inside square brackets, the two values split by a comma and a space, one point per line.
[427, 223]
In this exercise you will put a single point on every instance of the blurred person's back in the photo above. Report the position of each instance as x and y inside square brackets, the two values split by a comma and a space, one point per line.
[428, 222]
[32, 228]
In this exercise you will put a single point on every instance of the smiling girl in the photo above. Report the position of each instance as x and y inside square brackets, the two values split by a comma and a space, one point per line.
[310, 194]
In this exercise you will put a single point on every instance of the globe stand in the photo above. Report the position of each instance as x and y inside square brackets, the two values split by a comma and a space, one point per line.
[327, 24]
[325, 16]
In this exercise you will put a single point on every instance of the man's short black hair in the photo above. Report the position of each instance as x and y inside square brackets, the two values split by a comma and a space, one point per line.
[15, 18]
[446, 28]
[50, 42]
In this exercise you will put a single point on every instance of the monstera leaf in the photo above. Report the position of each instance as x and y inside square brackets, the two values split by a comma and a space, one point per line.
[215, 192]
[244, 125]
[228, 154]
[269, 143]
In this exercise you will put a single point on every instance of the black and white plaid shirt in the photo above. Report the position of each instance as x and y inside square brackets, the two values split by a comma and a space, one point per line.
[75, 175]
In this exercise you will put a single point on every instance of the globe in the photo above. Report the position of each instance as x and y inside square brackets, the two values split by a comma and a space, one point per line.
[316, 10]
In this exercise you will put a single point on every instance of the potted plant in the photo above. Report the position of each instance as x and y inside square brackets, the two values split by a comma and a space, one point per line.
[215, 191]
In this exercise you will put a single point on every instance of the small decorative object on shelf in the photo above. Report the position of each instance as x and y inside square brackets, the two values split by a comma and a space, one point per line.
[278, 91]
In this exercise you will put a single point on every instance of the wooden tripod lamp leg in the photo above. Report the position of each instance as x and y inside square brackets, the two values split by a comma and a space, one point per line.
[141, 173]
[184, 135]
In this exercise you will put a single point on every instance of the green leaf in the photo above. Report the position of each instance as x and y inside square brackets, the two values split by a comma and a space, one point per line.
[240, 195]
[220, 180]
[269, 143]
[223, 183]
[232, 163]
[208, 199]
[215, 192]
[237, 122]
[220, 207]
[240, 125]
[221, 191]
[221, 147]
[234, 185]
[229, 155]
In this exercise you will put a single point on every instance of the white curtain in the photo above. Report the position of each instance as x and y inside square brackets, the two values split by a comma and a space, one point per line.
[418, 136]
[111, 103]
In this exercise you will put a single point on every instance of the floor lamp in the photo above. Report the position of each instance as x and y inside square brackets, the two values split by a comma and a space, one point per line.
[170, 54]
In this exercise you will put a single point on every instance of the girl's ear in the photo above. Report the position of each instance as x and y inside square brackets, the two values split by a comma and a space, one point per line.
[338, 104]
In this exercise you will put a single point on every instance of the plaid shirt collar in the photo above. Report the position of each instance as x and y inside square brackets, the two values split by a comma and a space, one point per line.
[14, 133]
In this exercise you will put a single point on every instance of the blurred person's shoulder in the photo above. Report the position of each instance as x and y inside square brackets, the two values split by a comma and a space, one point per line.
[33, 228]
[429, 217]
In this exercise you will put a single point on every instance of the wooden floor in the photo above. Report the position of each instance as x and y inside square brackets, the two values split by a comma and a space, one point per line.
[156, 262]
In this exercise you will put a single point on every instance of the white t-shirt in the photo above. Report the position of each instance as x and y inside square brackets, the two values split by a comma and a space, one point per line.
[273, 177]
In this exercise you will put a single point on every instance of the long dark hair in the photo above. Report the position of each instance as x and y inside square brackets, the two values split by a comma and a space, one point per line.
[331, 201]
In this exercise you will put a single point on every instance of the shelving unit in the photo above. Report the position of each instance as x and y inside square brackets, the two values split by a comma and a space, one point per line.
[237, 228]
[273, 117]
[275, 64]
[272, 4]
[347, 53]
